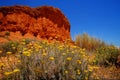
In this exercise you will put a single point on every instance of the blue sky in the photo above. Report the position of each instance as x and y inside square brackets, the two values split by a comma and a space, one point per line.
[98, 18]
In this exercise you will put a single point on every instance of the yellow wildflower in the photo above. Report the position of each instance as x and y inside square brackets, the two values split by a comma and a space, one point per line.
[30, 44]
[8, 53]
[30, 50]
[44, 54]
[24, 49]
[0, 51]
[23, 43]
[51, 58]
[83, 49]
[78, 71]
[67, 51]
[69, 58]
[74, 46]
[16, 70]
[96, 67]
[39, 47]
[8, 73]
[63, 54]
[60, 47]
[84, 56]
[66, 72]
[26, 53]
[90, 68]
[85, 71]
[79, 62]
[19, 61]
[2, 65]
[72, 52]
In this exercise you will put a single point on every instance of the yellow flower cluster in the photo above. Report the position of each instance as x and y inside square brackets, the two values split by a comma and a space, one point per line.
[1, 51]
[60, 47]
[51, 58]
[27, 53]
[66, 72]
[74, 47]
[16, 70]
[72, 60]
[19, 61]
[69, 58]
[90, 68]
[2, 65]
[8, 73]
[11, 72]
[78, 61]
[44, 54]
[9, 53]
[40, 47]
[78, 71]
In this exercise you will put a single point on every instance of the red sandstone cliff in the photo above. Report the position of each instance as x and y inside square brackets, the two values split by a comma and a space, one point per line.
[42, 22]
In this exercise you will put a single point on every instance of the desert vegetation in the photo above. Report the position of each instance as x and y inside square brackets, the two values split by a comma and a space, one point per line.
[88, 59]
[105, 54]
[35, 44]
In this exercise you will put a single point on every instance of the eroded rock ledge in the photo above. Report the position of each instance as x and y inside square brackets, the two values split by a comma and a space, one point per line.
[43, 22]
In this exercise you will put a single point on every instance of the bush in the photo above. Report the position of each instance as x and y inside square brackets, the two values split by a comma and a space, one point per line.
[9, 47]
[90, 43]
[107, 56]
[42, 60]
[7, 33]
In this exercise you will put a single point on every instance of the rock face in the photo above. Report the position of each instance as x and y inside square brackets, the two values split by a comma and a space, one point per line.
[43, 22]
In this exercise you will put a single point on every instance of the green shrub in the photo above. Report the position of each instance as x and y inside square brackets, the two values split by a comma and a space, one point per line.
[7, 33]
[9, 47]
[107, 55]
[27, 41]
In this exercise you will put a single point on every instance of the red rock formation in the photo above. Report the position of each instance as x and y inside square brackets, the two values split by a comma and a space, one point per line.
[43, 22]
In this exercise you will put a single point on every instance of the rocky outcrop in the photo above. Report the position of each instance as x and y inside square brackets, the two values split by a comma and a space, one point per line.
[43, 22]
